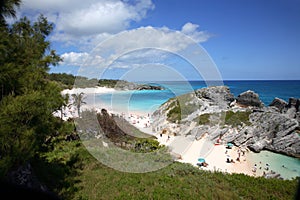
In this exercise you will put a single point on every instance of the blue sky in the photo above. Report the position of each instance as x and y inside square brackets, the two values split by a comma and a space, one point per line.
[246, 39]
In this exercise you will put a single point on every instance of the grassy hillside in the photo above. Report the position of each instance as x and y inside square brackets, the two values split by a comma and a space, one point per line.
[73, 173]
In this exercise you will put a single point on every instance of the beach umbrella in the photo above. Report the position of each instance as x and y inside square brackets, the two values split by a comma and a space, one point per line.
[201, 160]
[229, 144]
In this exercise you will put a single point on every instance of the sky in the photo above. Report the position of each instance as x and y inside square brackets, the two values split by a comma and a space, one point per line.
[196, 39]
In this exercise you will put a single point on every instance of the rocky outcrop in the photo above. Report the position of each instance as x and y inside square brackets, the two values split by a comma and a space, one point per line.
[279, 104]
[135, 86]
[272, 131]
[217, 94]
[275, 128]
[294, 103]
[148, 87]
[249, 98]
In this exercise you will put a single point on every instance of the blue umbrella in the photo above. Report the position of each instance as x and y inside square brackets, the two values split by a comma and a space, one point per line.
[229, 144]
[201, 160]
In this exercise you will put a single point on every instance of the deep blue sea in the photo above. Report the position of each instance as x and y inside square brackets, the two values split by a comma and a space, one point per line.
[148, 101]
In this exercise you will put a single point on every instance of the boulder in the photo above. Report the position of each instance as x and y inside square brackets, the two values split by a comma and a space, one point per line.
[293, 102]
[215, 93]
[279, 103]
[249, 98]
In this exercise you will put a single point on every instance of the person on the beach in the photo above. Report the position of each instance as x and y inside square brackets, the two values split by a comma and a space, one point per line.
[239, 153]
[254, 168]
[267, 167]
[168, 138]
[228, 159]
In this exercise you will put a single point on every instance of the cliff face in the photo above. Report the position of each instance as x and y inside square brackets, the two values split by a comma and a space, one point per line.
[244, 121]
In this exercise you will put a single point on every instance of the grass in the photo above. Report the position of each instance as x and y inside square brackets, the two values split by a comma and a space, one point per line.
[237, 118]
[181, 107]
[204, 119]
[78, 175]
[230, 118]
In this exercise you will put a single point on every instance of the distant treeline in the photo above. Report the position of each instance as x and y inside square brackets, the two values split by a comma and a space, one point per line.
[69, 81]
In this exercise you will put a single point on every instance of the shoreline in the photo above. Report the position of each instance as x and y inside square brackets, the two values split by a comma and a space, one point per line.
[186, 148]
[190, 151]
[92, 90]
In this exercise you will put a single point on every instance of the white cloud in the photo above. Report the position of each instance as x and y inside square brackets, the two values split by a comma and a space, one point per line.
[86, 24]
[80, 59]
[150, 37]
[89, 17]
[151, 44]
[191, 30]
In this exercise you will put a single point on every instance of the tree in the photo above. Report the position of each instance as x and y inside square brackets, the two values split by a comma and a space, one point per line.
[8, 9]
[28, 98]
[65, 104]
[78, 101]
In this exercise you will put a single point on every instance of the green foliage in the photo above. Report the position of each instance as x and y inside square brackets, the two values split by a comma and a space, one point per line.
[204, 119]
[83, 82]
[8, 9]
[66, 80]
[78, 101]
[78, 175]
[26, 120]
[58, 167]
[110, 83]
[237, 118]
[174, 113]
[146, 145]
[27, 97]
[230, 118]
[181, 107]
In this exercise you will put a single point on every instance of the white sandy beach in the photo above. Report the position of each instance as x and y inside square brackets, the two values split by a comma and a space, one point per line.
[190, 150]
[94, 90]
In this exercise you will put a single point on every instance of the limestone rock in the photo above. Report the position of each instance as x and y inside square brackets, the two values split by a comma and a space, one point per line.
[249, 98]
[217, 94]
[279, 103]
[273, 131]
[275, 127]
[293, 102]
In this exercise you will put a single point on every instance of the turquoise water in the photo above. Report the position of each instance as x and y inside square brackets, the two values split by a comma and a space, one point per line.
[148, 101]
[286, 166]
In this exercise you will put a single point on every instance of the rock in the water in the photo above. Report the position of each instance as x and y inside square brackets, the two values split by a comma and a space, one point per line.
[149, 87]
[249, 98]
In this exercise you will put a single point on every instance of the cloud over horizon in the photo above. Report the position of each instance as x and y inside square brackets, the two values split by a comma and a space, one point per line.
[144, 37]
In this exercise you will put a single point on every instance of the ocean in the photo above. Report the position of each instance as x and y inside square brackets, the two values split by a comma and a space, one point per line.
[146, 101]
